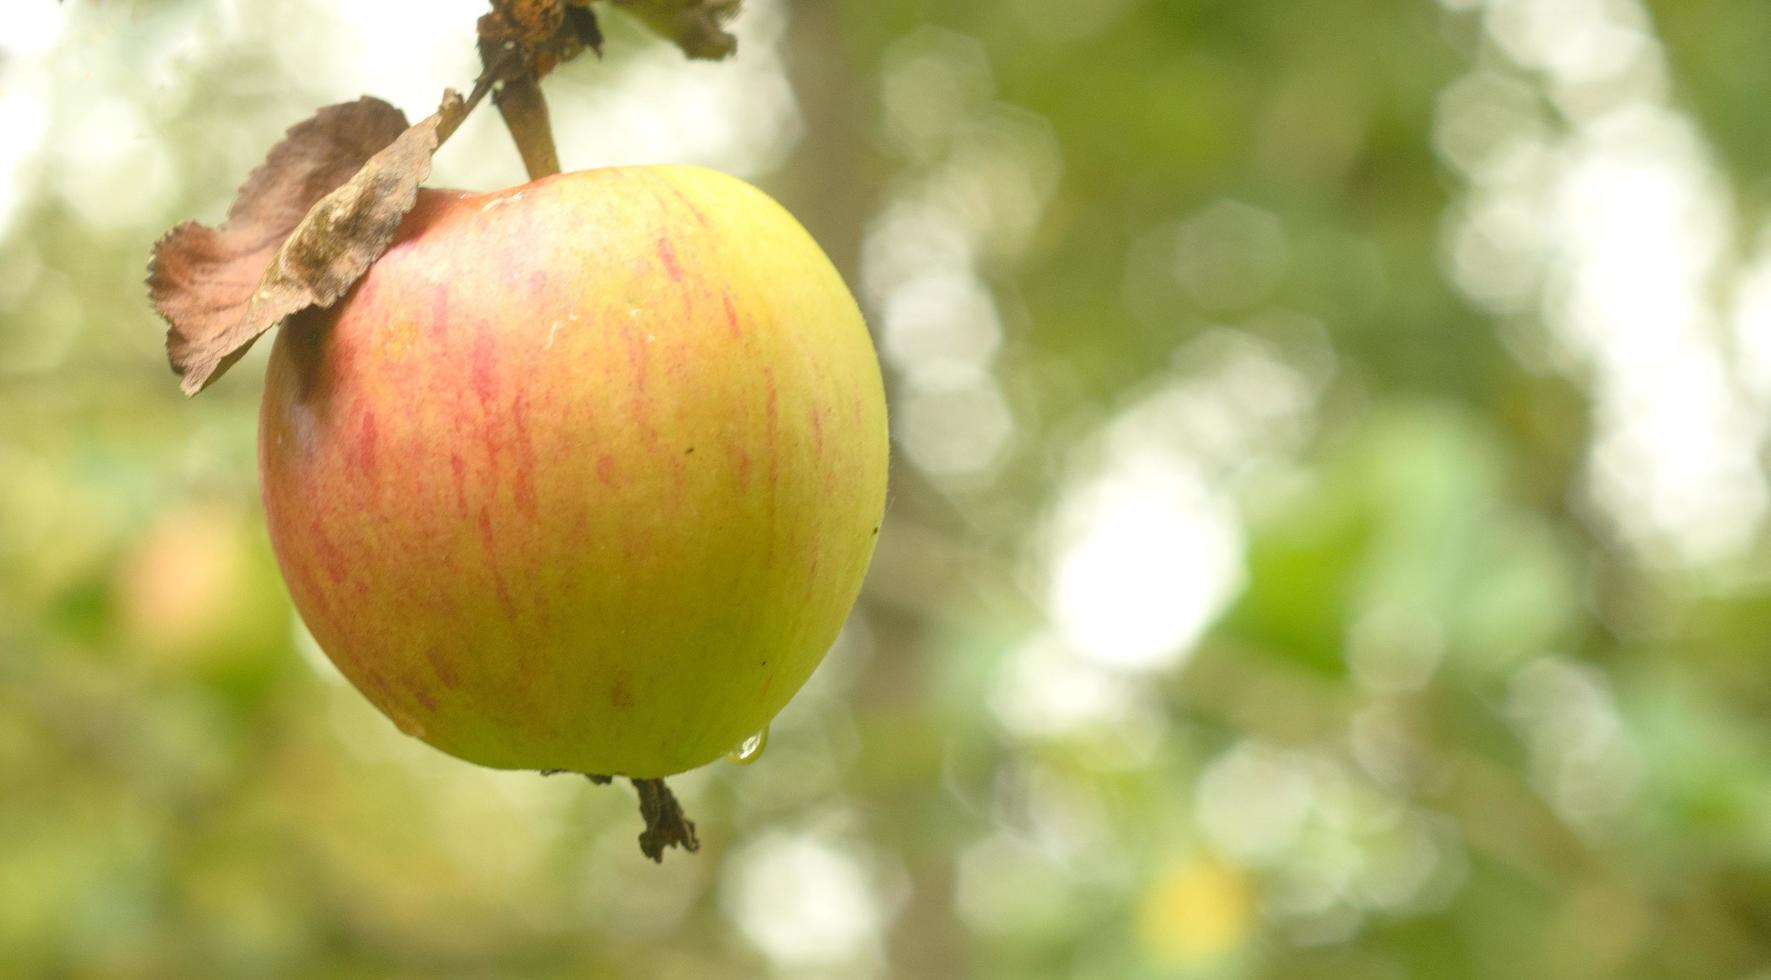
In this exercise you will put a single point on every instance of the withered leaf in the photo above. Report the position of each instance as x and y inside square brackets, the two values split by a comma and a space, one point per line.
[304, 227]
[697, 26]
[541, 34]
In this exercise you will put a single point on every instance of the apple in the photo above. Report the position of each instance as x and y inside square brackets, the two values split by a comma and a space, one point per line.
[583, 474]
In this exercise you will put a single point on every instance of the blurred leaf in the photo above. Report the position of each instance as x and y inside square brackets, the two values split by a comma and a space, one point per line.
[696, 26]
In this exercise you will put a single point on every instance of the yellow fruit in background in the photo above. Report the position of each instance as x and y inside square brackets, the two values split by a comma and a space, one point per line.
[1197, 913]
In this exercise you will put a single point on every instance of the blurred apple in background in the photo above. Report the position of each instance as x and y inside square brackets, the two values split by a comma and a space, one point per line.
[196, 597]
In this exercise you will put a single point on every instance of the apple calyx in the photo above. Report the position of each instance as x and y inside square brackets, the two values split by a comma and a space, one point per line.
[666, 824]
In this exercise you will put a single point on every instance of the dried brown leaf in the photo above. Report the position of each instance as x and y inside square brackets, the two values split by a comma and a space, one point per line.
[305, 227]
[202, 279]
[697, 26]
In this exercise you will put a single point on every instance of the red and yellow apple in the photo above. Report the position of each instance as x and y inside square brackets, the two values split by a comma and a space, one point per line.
[584, 474]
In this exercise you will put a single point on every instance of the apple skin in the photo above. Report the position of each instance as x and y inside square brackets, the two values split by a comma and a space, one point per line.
[583, 474]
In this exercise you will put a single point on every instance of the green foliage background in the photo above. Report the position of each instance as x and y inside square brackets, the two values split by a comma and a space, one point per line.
[1442, 655]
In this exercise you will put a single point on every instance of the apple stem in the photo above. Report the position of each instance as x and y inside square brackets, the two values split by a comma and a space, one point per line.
[520, 102]
[520, 41]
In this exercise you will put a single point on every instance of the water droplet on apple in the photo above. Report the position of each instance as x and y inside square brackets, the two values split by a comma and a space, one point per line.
[751, 749]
